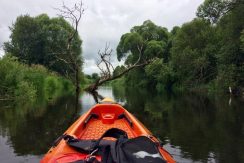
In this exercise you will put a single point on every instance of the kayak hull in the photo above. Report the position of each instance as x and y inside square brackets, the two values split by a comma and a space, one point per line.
[92, 125]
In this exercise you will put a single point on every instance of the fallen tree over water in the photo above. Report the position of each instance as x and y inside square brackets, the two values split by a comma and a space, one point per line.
[106, 67]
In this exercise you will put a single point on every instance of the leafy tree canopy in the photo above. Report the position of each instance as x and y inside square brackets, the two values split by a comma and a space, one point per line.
[230, 55]
[213, 10]
[94, 76]
[43, 40]
[146, 41]
[193, 52]
[143, 43]
[118, 70]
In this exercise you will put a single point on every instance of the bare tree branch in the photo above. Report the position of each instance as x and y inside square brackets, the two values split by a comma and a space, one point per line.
[106, 67]
[73, 15]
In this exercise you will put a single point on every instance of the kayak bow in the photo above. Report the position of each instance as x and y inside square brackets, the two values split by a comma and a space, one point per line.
[92, 125]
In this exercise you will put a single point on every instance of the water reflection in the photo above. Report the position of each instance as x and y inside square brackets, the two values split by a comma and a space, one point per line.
[29, 132]
[193, 127]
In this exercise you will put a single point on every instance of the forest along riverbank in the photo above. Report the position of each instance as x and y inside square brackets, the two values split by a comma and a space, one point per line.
[193, 127]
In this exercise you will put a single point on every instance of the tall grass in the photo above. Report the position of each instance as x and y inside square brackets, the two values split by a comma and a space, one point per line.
[25, 83]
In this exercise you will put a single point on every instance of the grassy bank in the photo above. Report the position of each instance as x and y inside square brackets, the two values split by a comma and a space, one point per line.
[23, 83]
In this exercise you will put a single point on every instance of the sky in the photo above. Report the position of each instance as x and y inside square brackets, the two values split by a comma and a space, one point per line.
[104, 21]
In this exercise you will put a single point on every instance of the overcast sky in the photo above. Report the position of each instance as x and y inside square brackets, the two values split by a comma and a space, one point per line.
[103, 20]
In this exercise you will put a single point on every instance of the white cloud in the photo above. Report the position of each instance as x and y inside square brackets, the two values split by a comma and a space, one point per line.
[90, 66]
[1, 53]
[104, 20]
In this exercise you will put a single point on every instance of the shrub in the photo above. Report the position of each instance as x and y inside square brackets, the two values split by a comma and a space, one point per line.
[25, 83]
[25, 92]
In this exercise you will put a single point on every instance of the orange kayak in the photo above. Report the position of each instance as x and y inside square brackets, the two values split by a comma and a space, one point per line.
[92, 125]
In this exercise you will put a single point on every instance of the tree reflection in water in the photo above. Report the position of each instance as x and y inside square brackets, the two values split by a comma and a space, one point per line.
[193, 127]
[33, 131]
[204, 128]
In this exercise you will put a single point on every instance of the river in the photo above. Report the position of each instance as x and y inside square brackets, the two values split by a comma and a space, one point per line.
[193, 127]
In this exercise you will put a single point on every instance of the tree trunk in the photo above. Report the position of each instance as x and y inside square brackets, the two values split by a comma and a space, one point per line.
[77, 81]
[93, 87]
[96, 96]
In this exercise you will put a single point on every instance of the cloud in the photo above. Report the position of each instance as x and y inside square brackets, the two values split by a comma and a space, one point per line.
[1, 52]
[90, 66]
[103, 20]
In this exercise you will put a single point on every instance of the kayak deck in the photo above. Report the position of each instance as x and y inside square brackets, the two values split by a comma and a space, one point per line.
[92, 125]
[95, 128]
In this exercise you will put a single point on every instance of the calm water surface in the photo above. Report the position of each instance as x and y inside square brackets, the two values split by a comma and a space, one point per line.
[194, 128]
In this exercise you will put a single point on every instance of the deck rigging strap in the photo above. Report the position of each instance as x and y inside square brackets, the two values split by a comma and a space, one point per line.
[137, 150]
[88, 146]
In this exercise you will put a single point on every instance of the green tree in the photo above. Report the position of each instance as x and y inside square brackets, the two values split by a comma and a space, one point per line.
[43, 40]
[26, 41]
[174, 30]
[230, 55]
[23, 84]
[213, 10]
[162, 74]
[145, 42]
[95, 76]
[118, 70]
[194, 53]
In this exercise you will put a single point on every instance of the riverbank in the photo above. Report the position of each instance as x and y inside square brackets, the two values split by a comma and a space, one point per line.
[210, 89]
[194, 127]
[23, 84]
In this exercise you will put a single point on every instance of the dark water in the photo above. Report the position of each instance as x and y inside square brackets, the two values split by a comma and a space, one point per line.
[193, 127]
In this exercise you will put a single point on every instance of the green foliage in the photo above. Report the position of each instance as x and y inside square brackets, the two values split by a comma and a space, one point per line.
[162, 73]
[206, 53]
[42, 40]
[213, 10]
[149, 39]
[174, 30]
[118, 70]
[87, 79]
[51, 118]
[120, 82]
[230, 55]
[90, 79]
[25, 91]
[24, 84]
[193, 53]
[225, 76]
[146, 42]
[51, 86]
[94, 76]
[155, 49]
[242, 40]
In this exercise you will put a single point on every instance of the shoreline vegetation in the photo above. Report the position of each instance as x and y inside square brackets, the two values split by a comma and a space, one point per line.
[23, 84]
[203, 55]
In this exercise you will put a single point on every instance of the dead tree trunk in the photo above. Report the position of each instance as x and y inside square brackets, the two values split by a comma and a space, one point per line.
[107, 68]
[73, 15]
[77, 81]
[97, 97]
